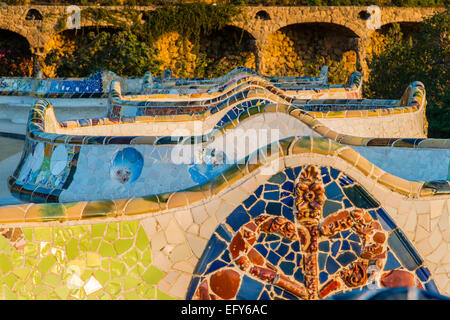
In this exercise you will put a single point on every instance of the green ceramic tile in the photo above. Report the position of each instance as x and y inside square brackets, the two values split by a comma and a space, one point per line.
[128, 228]
[9, 280]
[101, 276]
[60, 256]
[162, 296]
[31, 249]
[132, 295]
[131, 282]
[131, 257]
[44, 249]
[95, 243]
[16, 258]
[62, 292]
[146, 291]
[105, 264]
[53, 296]
[78, 294]
[86, 274]
[36, 278]
[92, 259]
[112, 232]
[9, 295]
[19, 286]
[152, 275]
[78, 231]
[43, 234]
[60, 236]
[5, 264]
[106, 249]
[147, 257]
[45, 264]
[117, 268]
[5, 246]
[113, 288]
[52, 280]
[137, 271]
[25, 296]
[85, 243]
[30, 261]
[28, 233]
[122, 245]
[142, 240]
[72, 249]
[39, 290]
[22, 273]
[98, 230]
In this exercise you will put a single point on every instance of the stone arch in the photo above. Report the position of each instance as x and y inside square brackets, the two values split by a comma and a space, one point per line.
[230, 47]
[292, 48]
[263, 15]
[15, 48]
[66, 41]
[33, 14]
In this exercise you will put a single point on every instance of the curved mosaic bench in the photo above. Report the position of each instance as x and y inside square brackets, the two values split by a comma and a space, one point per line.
[310, 219]
[162, 84]
[371, 117]
[182, 102]
[70, 96]
[100, 162]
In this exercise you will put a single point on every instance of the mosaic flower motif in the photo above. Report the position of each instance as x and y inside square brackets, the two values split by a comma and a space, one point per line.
[310, 193]
[127, 165]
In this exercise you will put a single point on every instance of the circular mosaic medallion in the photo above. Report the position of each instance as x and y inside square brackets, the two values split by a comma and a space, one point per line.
[58, 160]
[127, 165]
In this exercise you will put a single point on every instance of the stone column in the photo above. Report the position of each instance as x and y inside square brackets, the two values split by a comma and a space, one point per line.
[363, 44]
[37, 56]
[259, 48]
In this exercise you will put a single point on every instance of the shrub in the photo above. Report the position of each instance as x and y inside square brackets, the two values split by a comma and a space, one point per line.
[424, 57]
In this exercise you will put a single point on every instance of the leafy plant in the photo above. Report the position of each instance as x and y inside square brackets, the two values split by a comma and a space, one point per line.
[424, 57]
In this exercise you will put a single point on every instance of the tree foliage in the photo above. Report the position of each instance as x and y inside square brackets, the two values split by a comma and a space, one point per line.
[424, 57]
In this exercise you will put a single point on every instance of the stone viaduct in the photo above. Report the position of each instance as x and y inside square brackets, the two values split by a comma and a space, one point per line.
[37, 24]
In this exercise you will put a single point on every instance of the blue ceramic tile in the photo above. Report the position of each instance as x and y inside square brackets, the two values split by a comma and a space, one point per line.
[322, 259]
[237, 218]
[258, 191]
[345, 245]
[335, 248]
[213, 249]
[274, 245]
[261, 249]
[332, 265]
[282, 250]
[334, 173]
[431, 286]
[264, 296]
[333, 192]
[324, 246]
[250, 289]
[192, 286]
[330, 207]
[287, 268]
[297, 171]
[257, 209]
[272, 237]
[226, 256]
[423, 274]
[386, 221]
[288, 186]
[290, 173]
[346, 258]
[288, 213]
[249, 201]
[289, 201]
[347, 204]
[325, 175]
[273, 208]
[271, 187]
[323, 276]
[273, 258]
[404, 251]
[273, 195]
[223, 231]
[290, 257]
[298, 275]
[215, 266]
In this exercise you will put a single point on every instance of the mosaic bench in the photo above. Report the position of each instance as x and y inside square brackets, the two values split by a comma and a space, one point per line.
[162, 84]
[322, 221]
[93, 159]
[361, 117]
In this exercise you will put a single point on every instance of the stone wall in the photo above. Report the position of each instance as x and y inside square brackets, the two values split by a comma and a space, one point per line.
[263, 32]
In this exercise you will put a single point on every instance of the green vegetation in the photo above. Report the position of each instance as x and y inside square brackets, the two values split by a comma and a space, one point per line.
[424, 57]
